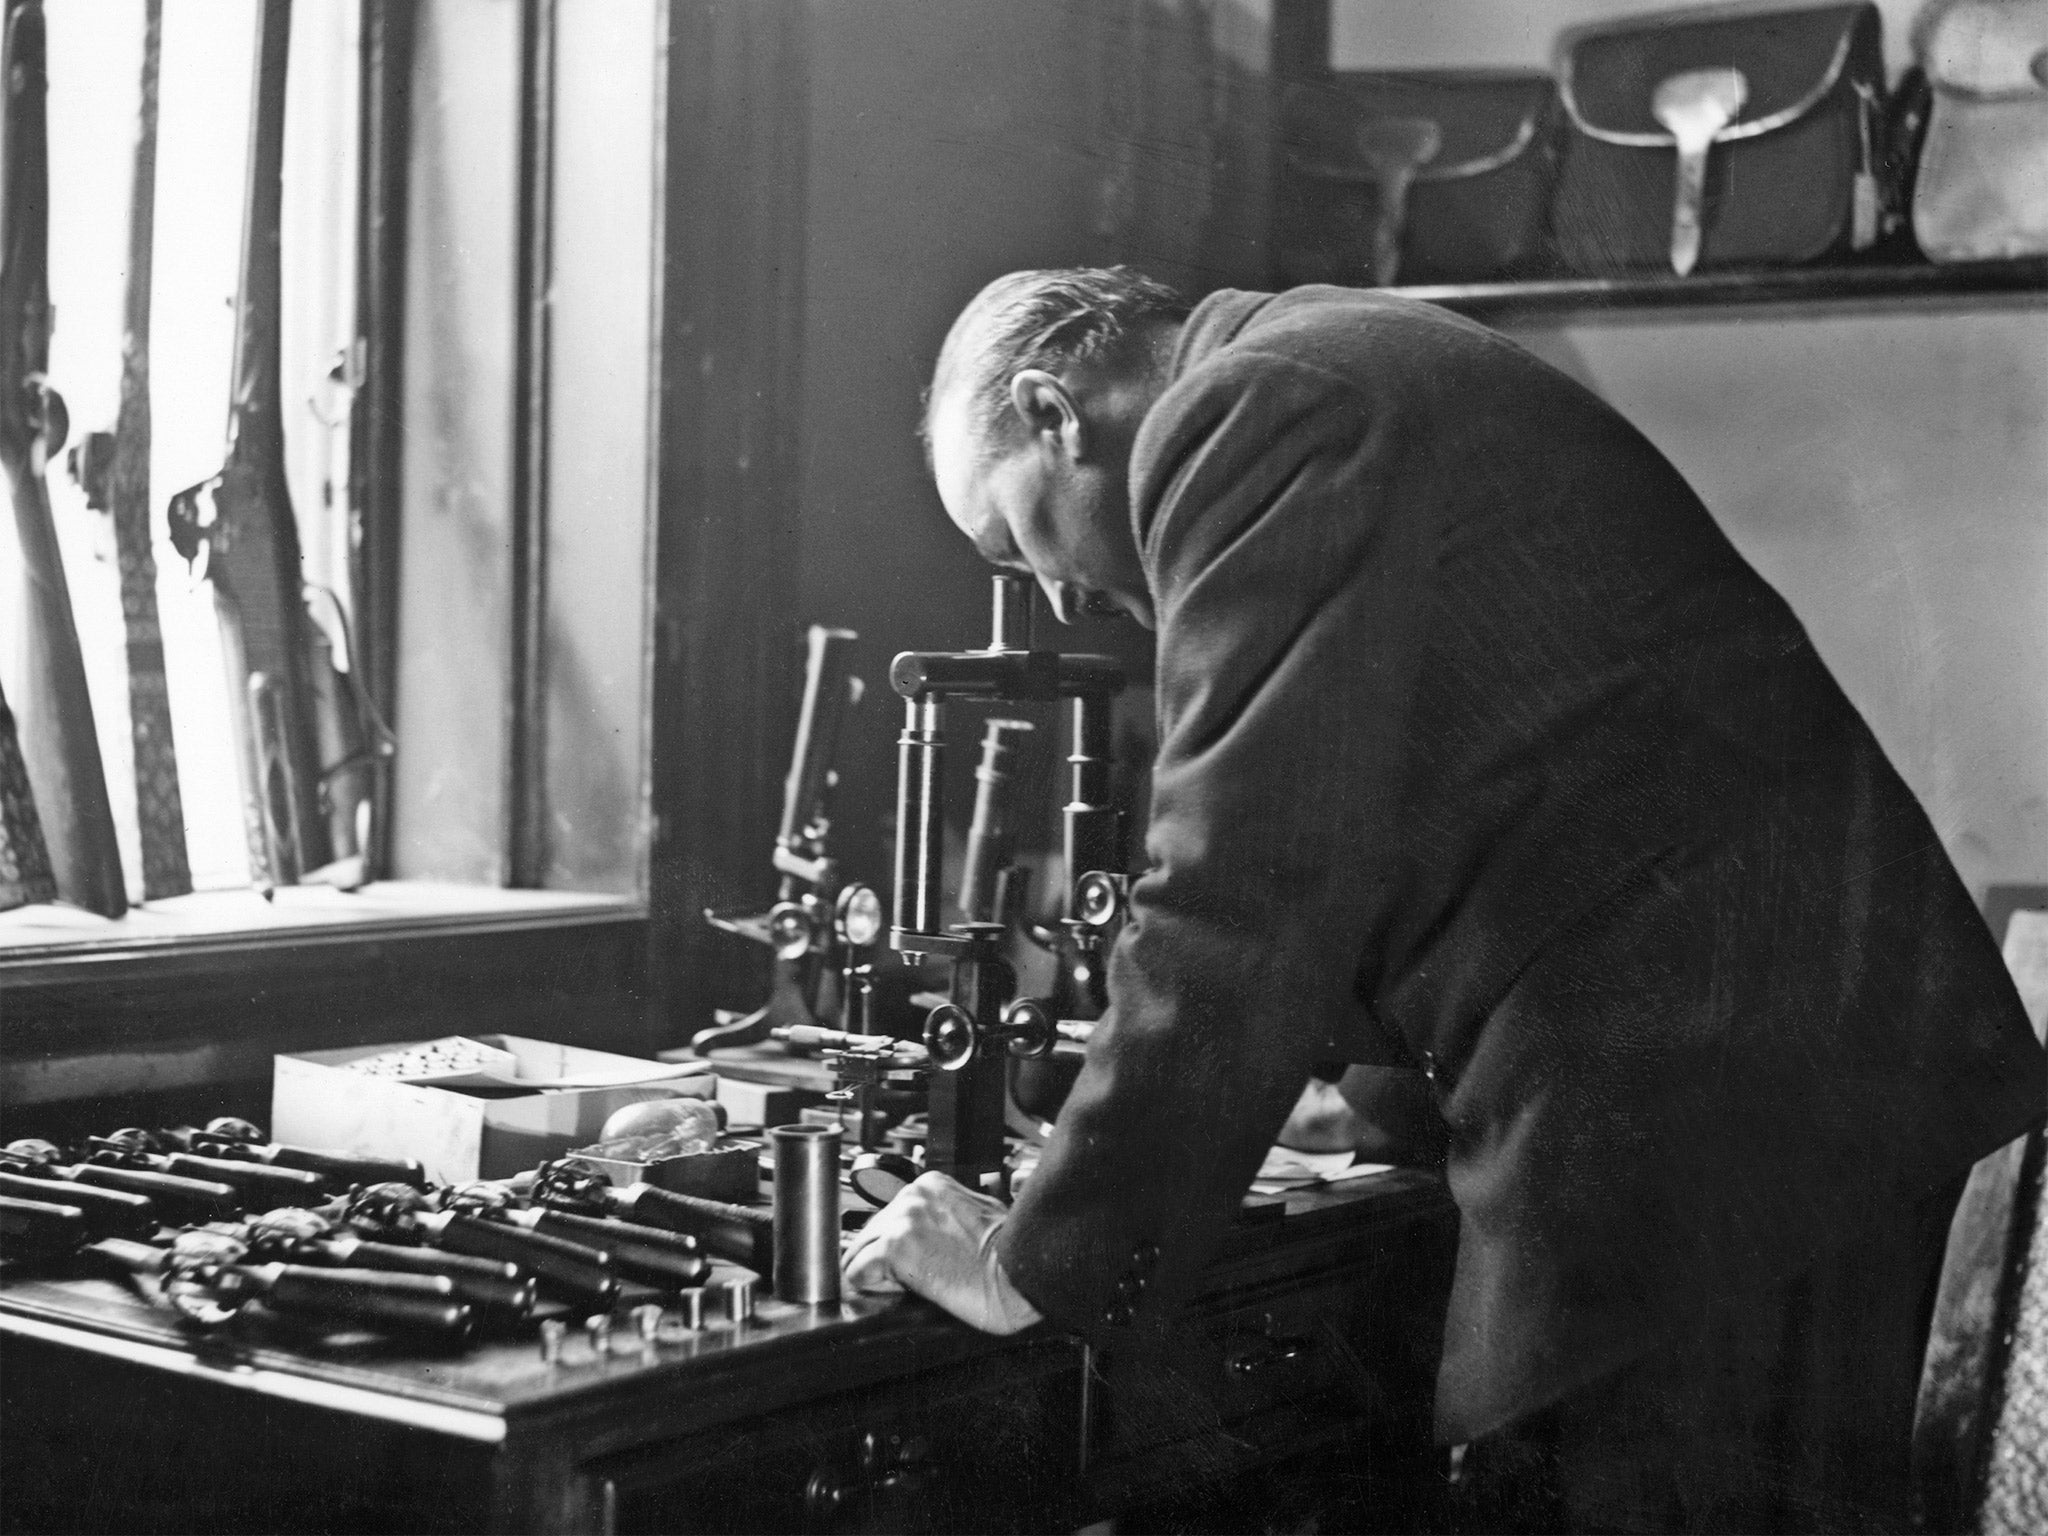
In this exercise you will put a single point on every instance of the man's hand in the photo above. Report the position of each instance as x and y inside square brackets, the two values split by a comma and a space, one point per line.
[938, 1238]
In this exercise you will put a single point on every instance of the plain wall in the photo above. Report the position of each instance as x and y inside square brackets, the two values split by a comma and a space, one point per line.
[1888, 473]
[1886, 467]
[947, 146]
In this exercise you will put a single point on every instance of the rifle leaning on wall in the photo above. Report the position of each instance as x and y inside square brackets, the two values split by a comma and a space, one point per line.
[60, 746]
[285, 697]
[112, 468]
[24, 858]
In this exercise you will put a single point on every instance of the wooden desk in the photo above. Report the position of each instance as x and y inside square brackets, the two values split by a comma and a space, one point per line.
[1313, 1346]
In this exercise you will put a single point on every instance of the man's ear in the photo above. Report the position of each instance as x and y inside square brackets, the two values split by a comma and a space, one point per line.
[1043, 403]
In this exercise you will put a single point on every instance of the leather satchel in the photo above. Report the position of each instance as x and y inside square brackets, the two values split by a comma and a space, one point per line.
[1419, 177]
[1721, 138]
[1982, 188]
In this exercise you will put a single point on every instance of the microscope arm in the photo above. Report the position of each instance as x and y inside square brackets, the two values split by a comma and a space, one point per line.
[971, 1036]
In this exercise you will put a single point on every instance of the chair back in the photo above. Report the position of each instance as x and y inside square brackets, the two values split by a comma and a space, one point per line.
[1980, 1430]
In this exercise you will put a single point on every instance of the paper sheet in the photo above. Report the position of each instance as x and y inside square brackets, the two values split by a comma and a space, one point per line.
[1285, 1169]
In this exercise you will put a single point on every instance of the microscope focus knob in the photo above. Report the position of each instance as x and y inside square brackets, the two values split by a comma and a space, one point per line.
[949, 1036]
[1028, 1027]
[1099, 898]
[792, 931]
[858, 916]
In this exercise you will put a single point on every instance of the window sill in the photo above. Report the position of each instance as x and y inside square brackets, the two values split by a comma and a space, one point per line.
[213, 921]
[201, 992]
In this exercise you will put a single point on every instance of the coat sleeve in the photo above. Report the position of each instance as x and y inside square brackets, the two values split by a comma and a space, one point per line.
[1266, 494]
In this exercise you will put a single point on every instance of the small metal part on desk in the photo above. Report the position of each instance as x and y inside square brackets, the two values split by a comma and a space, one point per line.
[693, 1307]
[647, 1323]
[552, 1332]
[599, 1328]
[739, 1300]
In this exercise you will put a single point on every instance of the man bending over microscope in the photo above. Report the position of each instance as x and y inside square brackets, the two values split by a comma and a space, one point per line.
[1482, 751]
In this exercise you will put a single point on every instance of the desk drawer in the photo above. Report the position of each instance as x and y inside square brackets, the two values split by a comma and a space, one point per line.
[982, 1448]
[1313, 1344]
[1340, 1360]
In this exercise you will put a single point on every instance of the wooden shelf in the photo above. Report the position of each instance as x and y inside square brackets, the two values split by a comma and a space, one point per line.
[1873, 285]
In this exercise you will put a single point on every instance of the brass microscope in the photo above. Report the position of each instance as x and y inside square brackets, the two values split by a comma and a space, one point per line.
[969, 1040]
[971, 1036]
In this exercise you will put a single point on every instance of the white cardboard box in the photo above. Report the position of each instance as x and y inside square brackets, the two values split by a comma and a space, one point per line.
[458, 1136]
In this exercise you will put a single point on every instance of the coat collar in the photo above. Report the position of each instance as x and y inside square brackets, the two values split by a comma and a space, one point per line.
[1214, 323]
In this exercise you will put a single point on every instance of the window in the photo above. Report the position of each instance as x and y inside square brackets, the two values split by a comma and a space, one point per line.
[483, 569]
[692, 109]
[525, 521]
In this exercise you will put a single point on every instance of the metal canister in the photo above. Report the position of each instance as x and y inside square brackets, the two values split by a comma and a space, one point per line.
[806, 1212]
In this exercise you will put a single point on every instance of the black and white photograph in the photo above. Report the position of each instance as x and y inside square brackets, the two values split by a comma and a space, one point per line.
[1023, 766]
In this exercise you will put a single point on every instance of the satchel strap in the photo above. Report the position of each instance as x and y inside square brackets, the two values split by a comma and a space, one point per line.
[1479, 165]
[1336, 170]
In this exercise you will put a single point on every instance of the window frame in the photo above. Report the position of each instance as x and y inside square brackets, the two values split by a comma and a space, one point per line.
[641, 973]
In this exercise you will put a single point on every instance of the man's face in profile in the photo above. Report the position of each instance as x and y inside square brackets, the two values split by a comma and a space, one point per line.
[1030, 507]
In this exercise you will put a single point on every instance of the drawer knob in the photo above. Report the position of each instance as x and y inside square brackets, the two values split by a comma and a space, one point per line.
[884, 1466]
[824, 1496]
[1255, 1354]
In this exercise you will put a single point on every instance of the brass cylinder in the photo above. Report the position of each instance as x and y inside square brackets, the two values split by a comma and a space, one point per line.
[806, 1213]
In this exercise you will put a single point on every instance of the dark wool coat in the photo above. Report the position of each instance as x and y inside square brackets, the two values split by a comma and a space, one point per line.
[1482, 749]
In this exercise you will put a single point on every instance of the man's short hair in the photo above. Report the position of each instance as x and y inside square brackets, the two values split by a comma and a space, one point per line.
[1040, 319]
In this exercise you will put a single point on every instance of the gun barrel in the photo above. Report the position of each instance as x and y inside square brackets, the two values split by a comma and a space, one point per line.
[647, 1254]
[237, 1141]
[136, 1258]
[306, 1281]
[646, 1205]
[58, 740]
[205, 1199]
[347, 1167]
[252, 542]
[110, 1212]
[288, 1186]
[40, 1226]
[583, 1272]
[493, 1284]
[402, 1303]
